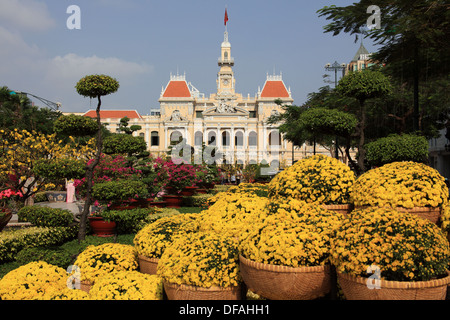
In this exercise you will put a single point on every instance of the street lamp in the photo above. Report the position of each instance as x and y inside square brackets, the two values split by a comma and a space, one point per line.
[336, 67]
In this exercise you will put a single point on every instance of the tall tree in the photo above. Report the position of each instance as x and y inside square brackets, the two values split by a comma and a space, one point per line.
[17, 112]
[363, 85]
[413, 36]
[94, 86]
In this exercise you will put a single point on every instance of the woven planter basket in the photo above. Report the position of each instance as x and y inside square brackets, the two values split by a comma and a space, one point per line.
[355, 288]
[85, 286]
[148, 265]
[187, 292]
[285, 283]
[431, 213]
[345, 209]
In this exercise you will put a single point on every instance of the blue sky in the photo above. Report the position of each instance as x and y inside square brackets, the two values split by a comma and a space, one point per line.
[142, 42]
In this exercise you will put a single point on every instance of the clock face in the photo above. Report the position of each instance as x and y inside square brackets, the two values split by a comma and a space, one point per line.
[226, 82]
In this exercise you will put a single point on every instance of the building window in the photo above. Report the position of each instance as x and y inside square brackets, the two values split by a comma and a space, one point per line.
[154, 139]
[239, 139]
[199, 114]
[252, 139]
[274, 139]
[252, 114]
[225, 138]
[198, 138]
[175, 137]
[212, 138]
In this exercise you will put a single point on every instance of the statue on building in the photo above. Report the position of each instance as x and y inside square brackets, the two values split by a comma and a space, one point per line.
[224, 107]
[176, 116]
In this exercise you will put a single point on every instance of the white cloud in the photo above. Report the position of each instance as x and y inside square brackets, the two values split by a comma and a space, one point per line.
[72, 65]
[25, 15]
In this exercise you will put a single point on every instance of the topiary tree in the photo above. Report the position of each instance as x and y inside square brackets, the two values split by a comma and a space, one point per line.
[396, 148]
[94, 86]
[363, 85]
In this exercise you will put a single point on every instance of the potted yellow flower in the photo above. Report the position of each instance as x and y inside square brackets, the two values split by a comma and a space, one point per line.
[407, 186]
[97, 261]
[201, 266]
[319, 179]
[286, 256]
[381, 253]
[151, 241]
[33, 281]
[127, 285]
[233, 213]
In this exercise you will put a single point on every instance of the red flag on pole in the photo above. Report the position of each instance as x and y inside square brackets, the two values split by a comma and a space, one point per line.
[226, 16]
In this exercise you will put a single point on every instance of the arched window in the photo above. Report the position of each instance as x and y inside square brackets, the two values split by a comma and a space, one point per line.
[154, 139]
[212, 138]
[198, 138]
[176, 137]
[239, 139]
[253, 139]
[275, 138]
[225, 138]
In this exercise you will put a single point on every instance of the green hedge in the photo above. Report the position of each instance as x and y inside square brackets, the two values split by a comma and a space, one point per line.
[13, 241]
[397, 148]
[131, 221]
[45, 216]
[54, 256]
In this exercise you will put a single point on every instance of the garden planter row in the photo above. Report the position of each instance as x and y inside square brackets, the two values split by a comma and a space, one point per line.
[305, 283]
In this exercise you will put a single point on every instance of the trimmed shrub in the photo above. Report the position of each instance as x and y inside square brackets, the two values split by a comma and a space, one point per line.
[45, 216]
[395, 148]
[54, 256]
[11, 242]
[130, 221]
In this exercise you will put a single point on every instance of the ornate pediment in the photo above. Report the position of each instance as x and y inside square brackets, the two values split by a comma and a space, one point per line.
[225, 108]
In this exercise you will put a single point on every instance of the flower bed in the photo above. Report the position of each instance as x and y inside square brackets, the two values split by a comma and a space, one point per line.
[316, 179]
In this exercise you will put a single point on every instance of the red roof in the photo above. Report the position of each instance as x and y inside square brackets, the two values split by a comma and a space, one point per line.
[177, 89]
[114, 114]
[274, 89]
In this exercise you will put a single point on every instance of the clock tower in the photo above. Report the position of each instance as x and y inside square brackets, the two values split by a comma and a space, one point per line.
[226, 83]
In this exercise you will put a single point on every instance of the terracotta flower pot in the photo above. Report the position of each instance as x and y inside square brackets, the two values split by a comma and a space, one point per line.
[102, 228]
[173, 201]
[188, 191]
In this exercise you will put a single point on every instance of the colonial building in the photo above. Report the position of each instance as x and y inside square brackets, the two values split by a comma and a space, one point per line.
[234, 123]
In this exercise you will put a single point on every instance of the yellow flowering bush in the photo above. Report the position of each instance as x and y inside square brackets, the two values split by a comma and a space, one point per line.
[71, 294]
[152, 240]
[258, 189]
[33, 281]
[400, 184]
[127, 285]
[201, 259]
[233, 213]
[403, 246]
[315, 179]
[96, 261]
[294, 234]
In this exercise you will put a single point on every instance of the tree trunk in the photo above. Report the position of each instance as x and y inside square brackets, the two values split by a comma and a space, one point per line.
[90, 177]
[361, 149]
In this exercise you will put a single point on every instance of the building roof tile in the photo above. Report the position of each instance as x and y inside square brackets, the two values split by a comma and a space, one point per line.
[114, 114]
[177, 89]
[274, 89]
